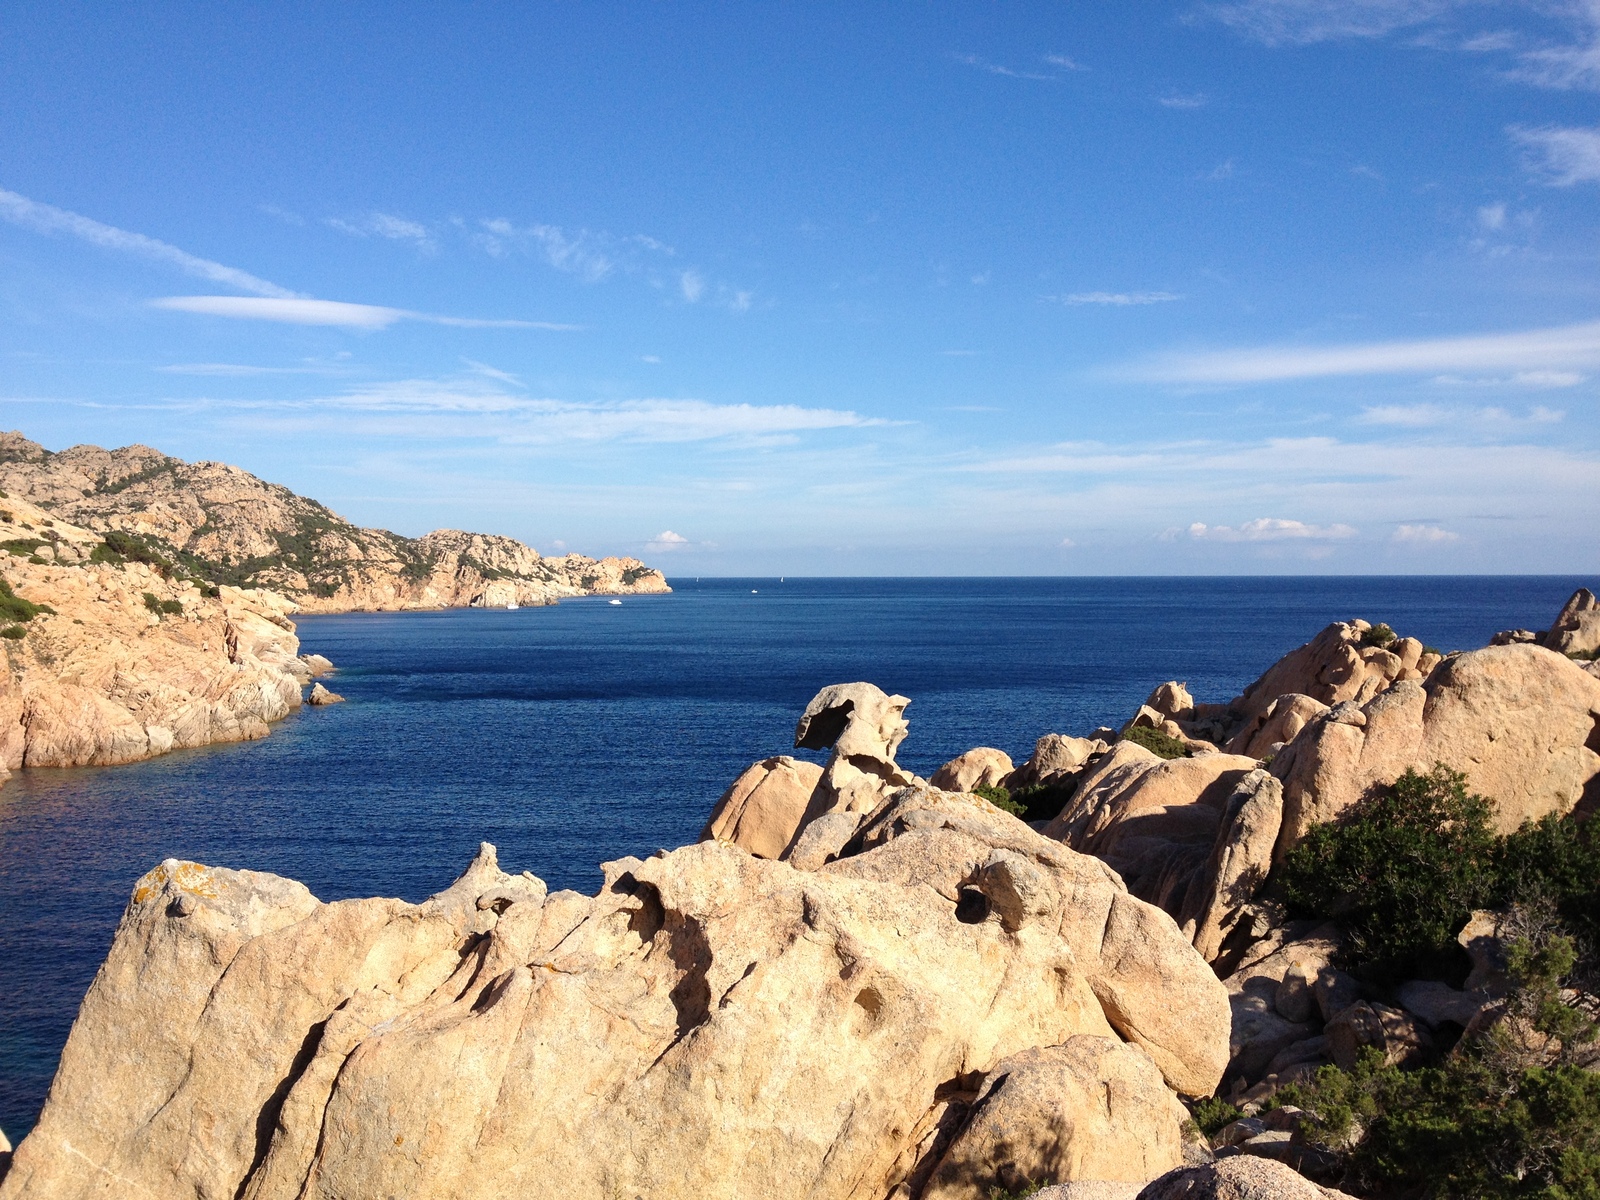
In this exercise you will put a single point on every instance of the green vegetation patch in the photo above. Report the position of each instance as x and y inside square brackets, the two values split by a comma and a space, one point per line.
[1162, 745]
[14, 608]
[14, 633]
[1038, 802]
[1379, 635]
[22, 547]
[1401, 871]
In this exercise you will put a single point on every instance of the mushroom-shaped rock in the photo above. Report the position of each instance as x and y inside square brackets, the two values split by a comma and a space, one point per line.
[763, 808]
[1522, 723]
[1090, 1108]
[983, 767]
[864, 725]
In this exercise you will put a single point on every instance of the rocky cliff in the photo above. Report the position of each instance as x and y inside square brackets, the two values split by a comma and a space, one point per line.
[219, 525]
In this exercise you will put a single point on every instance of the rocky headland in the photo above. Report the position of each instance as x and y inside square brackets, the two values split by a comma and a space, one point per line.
[221, 525]
[145, 602]
[1086, 971]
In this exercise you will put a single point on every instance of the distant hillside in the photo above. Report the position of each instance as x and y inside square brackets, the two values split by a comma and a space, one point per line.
[220, 525]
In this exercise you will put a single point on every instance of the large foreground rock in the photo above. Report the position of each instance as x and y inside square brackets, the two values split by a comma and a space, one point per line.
[711, 1024]
[1242, 1177]
[1521, 722]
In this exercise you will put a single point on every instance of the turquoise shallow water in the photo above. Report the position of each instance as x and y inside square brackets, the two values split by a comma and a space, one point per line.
[583, 732]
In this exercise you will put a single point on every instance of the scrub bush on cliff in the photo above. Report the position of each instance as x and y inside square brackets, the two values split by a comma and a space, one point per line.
[1401, 872]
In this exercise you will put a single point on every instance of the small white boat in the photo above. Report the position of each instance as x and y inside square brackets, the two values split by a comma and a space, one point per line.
[613, 601]
[752, 591]
[512, 607]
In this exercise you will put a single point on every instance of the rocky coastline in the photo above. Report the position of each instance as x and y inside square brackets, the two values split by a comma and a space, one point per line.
[145, 602]
[1078, 971]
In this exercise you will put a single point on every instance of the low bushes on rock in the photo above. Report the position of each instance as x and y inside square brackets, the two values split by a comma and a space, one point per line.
[14, 608]
[1379, 635]
[1162, 745]
[1401, 871]
[1038, 802]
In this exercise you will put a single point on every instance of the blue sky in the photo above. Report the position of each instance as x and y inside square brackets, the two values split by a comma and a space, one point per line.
[1265, 286]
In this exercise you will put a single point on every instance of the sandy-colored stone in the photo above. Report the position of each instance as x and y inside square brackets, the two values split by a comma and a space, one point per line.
[321, 696]
[1521, 722]
[762, 808]
[864, 726]
[1399, 1037]
[1091, 1108]
[1576, 629]
[1154, 820]
[710, 1025]
[1172, 700]
[982, 767]
[1055, 757]
[1215, 905]
[1331, 668]
[1242, 1177]
[1277, 725]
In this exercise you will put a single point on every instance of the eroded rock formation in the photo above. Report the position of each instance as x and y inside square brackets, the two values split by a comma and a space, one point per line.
[711, 1024]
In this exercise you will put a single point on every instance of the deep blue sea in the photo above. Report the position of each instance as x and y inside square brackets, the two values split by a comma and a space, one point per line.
[583, 732]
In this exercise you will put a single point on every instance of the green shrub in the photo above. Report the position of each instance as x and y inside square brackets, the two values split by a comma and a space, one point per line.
[124, 546]
[14, 608]
[1037, 802]
[172, 608]
[1163, 745]
[1513, 1114]
[1212, 1114]
[21, 547]
[1379, 635]
[1556, 860]
[152, 603]
[1401, 871]
[103, 553]
[997, 1192]
[14, 632]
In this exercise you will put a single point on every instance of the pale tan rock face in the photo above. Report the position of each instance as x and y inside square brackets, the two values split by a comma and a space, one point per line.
[1280, 723]
[710, 1025]
[982, 767]
[1242, 1177]
[1576, 629]
[1055, 756]
[762, 809]
[1331, 668]
[1091, 1108]
[1519, 721]
[864, 726]
[1153, 820]
[226, 517]
[105, 680]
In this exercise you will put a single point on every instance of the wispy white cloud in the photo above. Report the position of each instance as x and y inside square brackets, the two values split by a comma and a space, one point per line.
[1192, 100]
[302, 311]
[475, 406]
[1435, 416]
[383, 225]
[1565, 348]
[1270, 529]
[1562, 156]
[1117, 299]
[242, 370]
[691, 285]
[1060, 62]
[1568, 64]
[1223, 170]
[1492, 216]
[1423, 535]
[588, 254]
[46, 218]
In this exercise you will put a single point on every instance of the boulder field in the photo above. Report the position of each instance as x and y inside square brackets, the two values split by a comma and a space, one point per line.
[858, 985]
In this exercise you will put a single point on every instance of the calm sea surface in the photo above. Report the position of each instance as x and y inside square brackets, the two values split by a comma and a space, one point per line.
[584, 732]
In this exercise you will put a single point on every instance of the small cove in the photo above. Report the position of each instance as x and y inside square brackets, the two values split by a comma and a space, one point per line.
[587, 731]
